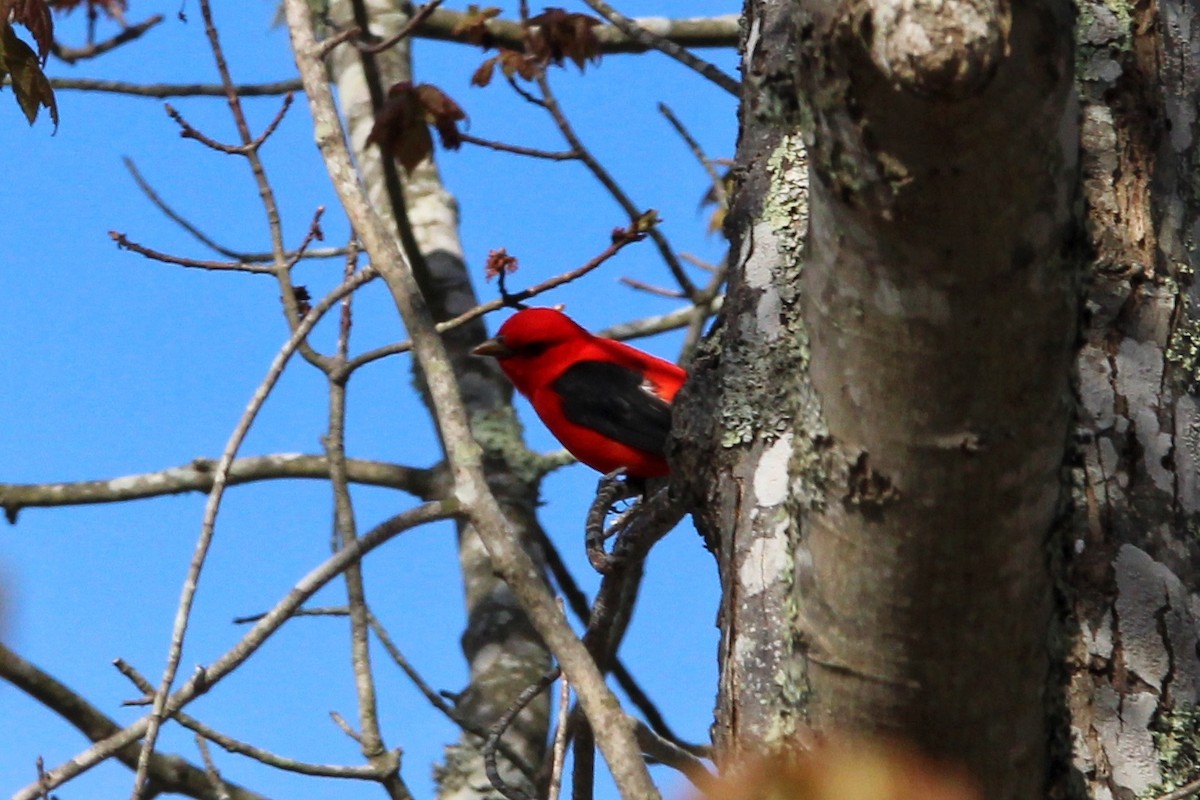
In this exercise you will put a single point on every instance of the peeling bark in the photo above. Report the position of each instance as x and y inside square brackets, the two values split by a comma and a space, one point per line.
[1134, 675]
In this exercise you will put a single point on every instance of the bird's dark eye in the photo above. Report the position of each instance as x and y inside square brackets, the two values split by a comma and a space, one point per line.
[533, 350]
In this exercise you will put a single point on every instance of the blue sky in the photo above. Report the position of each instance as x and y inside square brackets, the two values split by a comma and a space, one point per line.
[117, 365]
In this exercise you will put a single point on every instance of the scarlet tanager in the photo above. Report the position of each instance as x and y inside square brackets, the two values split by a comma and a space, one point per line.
[608, 403]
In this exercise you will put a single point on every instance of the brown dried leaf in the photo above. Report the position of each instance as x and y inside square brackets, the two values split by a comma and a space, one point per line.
[402, 124]
[555, 35]
[400, 127]
[443, 113]
[483, 75]
[514, 63]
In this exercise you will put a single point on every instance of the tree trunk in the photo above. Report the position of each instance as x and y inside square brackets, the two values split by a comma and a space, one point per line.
[889, 401]
[1134, 672]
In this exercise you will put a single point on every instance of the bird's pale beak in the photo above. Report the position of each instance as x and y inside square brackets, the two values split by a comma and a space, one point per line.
[496, 348]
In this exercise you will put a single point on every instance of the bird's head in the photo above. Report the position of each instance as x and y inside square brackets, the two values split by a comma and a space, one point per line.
[527, 341]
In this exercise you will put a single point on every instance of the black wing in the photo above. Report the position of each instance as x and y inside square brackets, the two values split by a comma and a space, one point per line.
[615, 401]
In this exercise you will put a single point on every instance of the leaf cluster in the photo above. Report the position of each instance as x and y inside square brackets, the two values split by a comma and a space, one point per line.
[20, 63]
[551, 37]
[402, 124]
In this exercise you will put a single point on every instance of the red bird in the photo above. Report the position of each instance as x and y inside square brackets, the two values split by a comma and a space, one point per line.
[608, 403]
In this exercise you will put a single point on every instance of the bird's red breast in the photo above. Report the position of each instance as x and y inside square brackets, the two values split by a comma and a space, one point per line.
[608, 403]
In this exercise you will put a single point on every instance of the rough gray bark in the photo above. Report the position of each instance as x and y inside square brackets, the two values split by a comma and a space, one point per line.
[889, 402]
[1135, 672]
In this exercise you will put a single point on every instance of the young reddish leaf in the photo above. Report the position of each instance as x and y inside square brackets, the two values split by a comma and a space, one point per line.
[499, 262]
[443, 113]
[34, 15]
[473, 25]
[483, 75]
[555, 35]
[29, 83]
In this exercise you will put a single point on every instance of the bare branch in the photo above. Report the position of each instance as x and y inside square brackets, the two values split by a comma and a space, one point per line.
[696, 32]
[558, 750]
[387, 763]
[197, 476]
[415, 20]
[164, 90]
[667, 752]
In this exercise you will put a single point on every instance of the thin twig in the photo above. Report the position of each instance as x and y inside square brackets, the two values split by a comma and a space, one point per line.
[643, 36]
[502, 724]
[626, 237]
[608, 182]
[579, 604]
[696, 261]
[437, 701]
[346, 529]
[667, 752]
[345, 728]
[232, 745]
[715, 177]
[210, 768]
[415, 21]
[558, 750]
[206, 679]
[125, 243]
[207, 528]
[188, 131]
[129, 34]
[642, 286]
[241, 257]
[549, 155]
[275, 122]
[649, 326]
